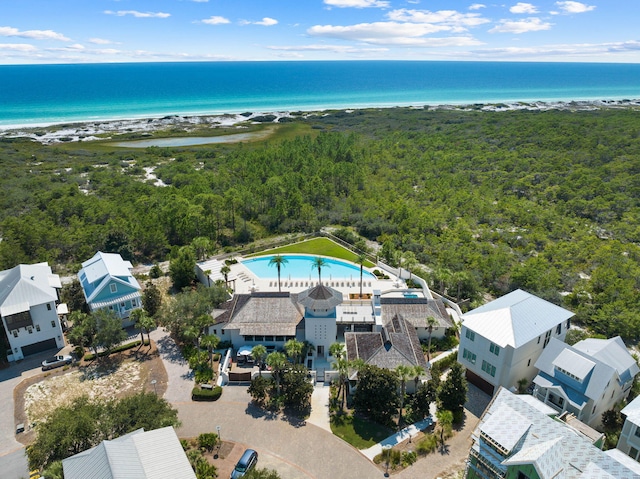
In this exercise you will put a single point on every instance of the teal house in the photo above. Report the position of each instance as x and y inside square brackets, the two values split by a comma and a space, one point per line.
[107, 283]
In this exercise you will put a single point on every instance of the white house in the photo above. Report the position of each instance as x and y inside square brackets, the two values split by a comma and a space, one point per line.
[107, 283]
[153, 454]
[629, 440]
[585, 379]
[28, 299]
[501, 341]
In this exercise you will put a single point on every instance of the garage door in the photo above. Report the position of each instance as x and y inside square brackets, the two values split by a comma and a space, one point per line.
[482, 384]
[39, 347]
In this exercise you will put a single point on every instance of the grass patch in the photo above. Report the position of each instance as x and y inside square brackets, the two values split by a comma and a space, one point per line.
[318, 247]
[358, 431]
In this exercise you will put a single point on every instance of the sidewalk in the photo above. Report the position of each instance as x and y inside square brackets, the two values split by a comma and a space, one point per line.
[397, 438]
[320, 406]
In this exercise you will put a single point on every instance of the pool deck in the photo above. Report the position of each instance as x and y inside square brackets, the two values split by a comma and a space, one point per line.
[244, 281]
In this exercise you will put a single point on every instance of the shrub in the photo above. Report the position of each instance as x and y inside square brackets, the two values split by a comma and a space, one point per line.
[118, 349]
[428, 444]
[441, 365]
[155, 271]
[203, 374]
[214, 394]
[408, 458]
[207, 441]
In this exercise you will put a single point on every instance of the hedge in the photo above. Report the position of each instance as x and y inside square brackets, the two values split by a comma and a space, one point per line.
[214, 394]
[122, 347]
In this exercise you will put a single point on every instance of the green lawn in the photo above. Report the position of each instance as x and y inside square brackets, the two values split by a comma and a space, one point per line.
[359, 432]
[317, 246]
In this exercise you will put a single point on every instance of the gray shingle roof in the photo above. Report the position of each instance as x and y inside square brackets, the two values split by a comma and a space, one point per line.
[397, 344]
[416, 310]
[320, 298]
[262, 313]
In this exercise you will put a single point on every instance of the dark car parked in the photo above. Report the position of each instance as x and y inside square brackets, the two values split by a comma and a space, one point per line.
[246, 462]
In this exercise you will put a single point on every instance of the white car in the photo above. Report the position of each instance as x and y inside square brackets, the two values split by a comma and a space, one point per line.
[56, 361]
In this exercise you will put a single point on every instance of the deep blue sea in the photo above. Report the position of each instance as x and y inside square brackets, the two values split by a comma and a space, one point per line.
[40, 94]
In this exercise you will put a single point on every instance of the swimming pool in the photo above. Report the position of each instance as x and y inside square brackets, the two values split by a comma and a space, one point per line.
[301, 267]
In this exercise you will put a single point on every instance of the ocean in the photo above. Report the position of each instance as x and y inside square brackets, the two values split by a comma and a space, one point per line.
[45, 94]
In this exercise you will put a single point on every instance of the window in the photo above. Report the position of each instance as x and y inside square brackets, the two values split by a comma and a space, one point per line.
[633, 452]
[48, 306]
[15, 333]
[53, 324]
[30, 329]
[268, 338]
[113, 287]
[547, 337]
[559, 329]
[215, 331]
[469, 356]
[538, 339]
[279, 338]
[637, 433]
[470, 335]
[529, 362]
[495, 349]
[568, 323]
[489, 368]
[133, 303]
[38, 327]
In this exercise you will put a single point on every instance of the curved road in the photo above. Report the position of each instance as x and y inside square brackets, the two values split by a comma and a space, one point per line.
[298, 450]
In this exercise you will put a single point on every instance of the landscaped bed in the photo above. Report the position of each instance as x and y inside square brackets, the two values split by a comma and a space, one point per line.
[119, 375]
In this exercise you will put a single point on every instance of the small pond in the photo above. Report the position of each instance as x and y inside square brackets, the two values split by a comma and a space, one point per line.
[195, 140]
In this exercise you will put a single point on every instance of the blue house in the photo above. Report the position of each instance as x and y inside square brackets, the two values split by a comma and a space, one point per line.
[585, 379]
[108, 284]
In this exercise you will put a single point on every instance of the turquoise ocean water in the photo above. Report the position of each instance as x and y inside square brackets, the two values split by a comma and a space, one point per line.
[40, 94]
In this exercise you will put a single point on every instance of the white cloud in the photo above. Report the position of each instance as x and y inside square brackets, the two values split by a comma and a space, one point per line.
[357, 3]
[456, 21]
[33, 34]
[101, 41]
[392, 33]
[521, 26]
[17, 47]
[201, 1]
[265, 22]
[137, 14]
[327, 48]
[574, 7]
[216, 20]
[521, 7]
[477, 6]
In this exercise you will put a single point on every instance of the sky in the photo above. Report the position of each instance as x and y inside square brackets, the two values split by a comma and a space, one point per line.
[96, 31]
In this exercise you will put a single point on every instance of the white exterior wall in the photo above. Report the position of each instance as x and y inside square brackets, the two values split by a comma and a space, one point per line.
[511, 364]
[321, 332]
[41, 317]
[423, 333]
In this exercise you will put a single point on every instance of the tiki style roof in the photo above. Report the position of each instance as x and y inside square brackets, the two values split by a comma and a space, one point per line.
[320, 298]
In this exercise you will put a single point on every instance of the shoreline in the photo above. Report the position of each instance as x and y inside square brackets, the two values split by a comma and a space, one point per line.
[87, 130]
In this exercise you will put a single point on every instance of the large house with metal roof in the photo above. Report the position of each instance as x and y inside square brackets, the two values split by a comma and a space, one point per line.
[585, 379]
[28, 301]
[520, 437]
[108, 284]
[501, 341]
[153, 454]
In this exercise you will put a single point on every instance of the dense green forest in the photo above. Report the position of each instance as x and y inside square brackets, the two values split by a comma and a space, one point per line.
[547, 201]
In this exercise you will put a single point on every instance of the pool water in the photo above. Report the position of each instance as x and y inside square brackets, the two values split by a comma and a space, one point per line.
[301, 267]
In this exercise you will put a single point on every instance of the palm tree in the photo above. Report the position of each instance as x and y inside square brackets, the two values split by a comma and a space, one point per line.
[342, 366]
[259, 352]
[445, 419]
[277, 361]
[410, 262]
[362, 258]
[137, 316]
[417, 371]
[278, 260]
[318, 263]
[147, 323]
[431, 323]
[293, 348]
[207, 273]
[210, 341]
[336, 350]
[225, 270]
[404, 373]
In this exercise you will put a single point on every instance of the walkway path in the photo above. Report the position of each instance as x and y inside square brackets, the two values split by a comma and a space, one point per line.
[320, 406]
[180, 376]
[397, 438]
